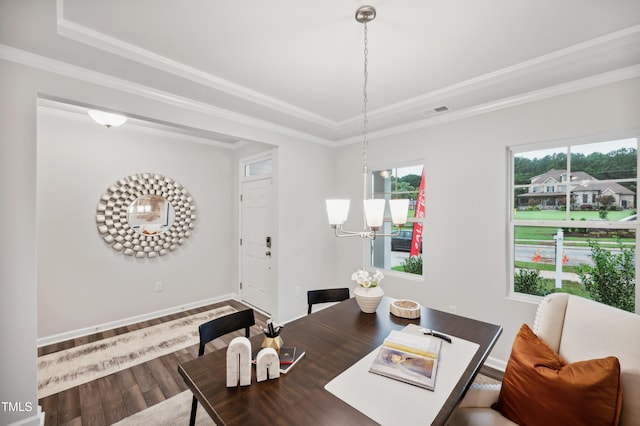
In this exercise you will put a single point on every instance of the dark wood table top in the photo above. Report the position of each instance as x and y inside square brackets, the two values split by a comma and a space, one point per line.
[334, 339]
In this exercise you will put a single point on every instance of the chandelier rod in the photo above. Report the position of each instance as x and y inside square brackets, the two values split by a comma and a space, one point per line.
[365, 120]
[373, 217]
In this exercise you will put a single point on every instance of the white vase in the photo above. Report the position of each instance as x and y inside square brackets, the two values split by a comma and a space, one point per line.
[368, 298]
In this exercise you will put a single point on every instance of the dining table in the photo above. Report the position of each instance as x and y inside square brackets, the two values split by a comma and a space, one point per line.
[333, 339]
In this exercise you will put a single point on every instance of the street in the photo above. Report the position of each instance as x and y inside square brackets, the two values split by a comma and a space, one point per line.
[575, 255]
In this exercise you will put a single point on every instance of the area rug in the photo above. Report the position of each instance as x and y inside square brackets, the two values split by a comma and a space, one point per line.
[170, 412]
[65, 369]
[485, 380]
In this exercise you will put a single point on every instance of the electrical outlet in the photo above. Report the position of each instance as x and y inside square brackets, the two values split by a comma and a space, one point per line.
[298, 291]
[452, 309]
[159, 286]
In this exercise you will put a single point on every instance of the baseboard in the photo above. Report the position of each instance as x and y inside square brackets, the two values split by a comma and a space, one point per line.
[56, 338]
[496, 364]
[35, 420]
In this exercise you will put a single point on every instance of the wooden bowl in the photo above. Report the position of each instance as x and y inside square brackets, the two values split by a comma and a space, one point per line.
[405, 308]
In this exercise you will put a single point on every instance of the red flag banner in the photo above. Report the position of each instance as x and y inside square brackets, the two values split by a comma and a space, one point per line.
[416, 238]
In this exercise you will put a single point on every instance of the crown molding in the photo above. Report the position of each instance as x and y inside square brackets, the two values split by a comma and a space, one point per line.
[73, 71]
[68, 70]
[495, 78]
[118, 47]
[537, 95]
[136, 126]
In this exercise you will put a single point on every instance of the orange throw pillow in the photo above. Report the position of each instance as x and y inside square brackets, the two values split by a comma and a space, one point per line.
[541, 388]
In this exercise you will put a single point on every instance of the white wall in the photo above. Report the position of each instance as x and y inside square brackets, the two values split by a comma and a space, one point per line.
[304, 248]
[18, 243]
[465, 248]
[82, 281]
[20, 87]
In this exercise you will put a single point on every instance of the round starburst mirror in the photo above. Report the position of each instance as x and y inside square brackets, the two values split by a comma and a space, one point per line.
[146, 215]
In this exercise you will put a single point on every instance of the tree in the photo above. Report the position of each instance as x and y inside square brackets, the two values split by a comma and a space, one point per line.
[404, 188]
[611, 280]
[619, 164]
[411, 179]
[606, 201]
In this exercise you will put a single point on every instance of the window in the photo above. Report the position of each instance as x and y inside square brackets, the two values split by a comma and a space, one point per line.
[258, 168]
[402, 253]
[581, 239]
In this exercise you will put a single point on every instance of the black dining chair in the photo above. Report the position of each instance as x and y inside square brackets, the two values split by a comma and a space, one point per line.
[216, 328]
[326, 295]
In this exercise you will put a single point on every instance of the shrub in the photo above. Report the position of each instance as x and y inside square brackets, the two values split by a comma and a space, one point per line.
[412, 265]
[529, 281]
[606, 201]
[612, 278]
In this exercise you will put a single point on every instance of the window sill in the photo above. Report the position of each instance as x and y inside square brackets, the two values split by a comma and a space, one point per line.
[402, 275]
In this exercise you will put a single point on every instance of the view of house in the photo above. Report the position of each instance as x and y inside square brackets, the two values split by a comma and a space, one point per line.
[548, 191]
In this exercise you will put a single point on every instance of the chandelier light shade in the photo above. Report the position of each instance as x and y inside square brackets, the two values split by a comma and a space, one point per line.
[374, 212]
[399, 211]
[107, 119]
[374, 209]
[337, 211]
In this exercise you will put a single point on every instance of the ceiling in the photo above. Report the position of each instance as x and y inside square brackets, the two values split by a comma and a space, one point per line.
[297, 66]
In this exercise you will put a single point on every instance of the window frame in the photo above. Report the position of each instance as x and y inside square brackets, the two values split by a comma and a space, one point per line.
[370, 248]
[512, 223]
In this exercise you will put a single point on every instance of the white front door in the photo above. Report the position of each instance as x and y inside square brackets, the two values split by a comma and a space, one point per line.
[258, 286]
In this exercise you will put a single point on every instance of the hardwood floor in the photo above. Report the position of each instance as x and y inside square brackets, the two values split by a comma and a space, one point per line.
[110, 399]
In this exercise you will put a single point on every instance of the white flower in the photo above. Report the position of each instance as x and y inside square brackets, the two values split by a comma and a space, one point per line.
[364, 278]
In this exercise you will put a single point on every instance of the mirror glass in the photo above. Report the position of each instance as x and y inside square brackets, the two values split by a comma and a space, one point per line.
[150, 215]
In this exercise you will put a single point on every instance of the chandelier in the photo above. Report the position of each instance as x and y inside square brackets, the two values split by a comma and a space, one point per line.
[374, 209]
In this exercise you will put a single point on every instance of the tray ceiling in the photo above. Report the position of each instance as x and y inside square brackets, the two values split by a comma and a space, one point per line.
[299, 64]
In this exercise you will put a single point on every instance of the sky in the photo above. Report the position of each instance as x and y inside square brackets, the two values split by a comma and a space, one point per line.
[412, 170]
[604, 147]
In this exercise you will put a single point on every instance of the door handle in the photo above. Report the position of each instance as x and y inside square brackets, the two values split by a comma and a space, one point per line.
[268, 253]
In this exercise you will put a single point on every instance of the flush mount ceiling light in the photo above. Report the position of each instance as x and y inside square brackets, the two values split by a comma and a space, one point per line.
[107, 119]
[338, 210]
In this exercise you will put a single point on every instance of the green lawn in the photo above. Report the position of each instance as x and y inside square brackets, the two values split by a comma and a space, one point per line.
[542, 266]
[536, 233]
[575, 215]
[570, 287]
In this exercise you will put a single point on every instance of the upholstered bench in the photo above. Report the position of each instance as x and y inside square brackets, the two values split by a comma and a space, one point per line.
[577, 329]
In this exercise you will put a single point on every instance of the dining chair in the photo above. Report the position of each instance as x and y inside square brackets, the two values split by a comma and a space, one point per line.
[326, 295]
[216, 328]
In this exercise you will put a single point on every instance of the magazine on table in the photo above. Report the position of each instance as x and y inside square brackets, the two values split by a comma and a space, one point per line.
[409, 358]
